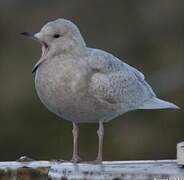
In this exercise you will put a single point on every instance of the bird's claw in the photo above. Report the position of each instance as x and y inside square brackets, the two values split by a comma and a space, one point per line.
[76, 159]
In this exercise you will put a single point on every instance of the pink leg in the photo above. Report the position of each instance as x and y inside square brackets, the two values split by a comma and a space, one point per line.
[100, 133]
[75, 132]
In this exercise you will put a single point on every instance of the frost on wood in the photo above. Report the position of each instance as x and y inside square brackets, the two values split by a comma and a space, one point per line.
[126, 170]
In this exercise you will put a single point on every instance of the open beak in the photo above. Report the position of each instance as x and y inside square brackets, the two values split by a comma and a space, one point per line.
[34, 37]
[45, 47]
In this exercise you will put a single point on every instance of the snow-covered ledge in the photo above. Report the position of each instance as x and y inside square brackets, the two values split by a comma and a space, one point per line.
[108, 170]
[126, 170]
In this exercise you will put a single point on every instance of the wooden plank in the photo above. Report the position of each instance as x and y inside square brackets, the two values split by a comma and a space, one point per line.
[180, 153]
[126, 170]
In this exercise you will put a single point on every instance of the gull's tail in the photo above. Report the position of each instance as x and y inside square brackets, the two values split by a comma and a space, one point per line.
[155, 103]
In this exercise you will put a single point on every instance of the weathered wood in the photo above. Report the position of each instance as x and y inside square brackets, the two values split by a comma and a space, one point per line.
[180, 153]
[126, 170]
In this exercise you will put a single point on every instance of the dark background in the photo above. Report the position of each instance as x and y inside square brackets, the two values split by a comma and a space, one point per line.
[148, 34]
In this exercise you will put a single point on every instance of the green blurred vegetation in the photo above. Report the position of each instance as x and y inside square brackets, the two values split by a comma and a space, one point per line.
[148, 34]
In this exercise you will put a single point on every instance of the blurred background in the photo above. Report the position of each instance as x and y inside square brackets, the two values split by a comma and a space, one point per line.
[146, 34]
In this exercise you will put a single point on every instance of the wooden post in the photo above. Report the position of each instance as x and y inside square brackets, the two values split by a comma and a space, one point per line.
[180, 153]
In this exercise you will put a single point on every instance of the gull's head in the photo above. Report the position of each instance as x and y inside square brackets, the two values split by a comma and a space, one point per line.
[59, 36]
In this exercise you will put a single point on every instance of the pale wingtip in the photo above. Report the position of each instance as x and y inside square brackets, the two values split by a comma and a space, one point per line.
[156, 103]
[173, 106]
[176, 107]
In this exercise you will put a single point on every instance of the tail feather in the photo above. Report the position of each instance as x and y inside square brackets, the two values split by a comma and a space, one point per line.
[155, 103]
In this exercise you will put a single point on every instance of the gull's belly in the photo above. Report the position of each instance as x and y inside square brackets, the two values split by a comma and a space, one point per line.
[63, 89]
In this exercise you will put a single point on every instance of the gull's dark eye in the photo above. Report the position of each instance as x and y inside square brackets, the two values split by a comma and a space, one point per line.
[56, 36]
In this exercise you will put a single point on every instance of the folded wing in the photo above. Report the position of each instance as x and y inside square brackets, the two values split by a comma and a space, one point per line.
[116, 82]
